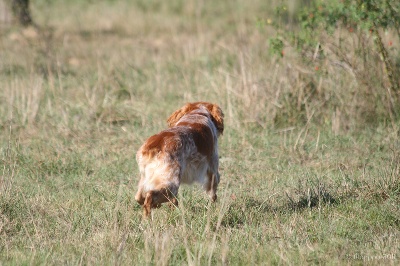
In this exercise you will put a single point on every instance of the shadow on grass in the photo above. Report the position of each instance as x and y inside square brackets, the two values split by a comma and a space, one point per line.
[252, 210]
[313, 196]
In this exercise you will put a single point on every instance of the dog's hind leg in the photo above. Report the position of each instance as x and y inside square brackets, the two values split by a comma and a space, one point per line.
[212, 185]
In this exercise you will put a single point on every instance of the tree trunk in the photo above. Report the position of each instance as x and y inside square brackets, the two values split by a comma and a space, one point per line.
[15, 10]
[20, 9]
[5, 12]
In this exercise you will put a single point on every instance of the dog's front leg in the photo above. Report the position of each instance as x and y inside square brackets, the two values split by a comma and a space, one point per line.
[147, 204]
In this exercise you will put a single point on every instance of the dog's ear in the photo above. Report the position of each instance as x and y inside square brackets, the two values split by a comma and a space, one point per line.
[174, 118]
[217, 117]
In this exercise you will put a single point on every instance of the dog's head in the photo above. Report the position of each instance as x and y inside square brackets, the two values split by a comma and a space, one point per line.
[214, 110]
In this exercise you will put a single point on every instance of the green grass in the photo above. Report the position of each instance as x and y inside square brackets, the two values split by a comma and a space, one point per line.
[309, 167]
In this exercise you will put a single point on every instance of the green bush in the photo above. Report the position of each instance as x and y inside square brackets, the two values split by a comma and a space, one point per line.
[348, 34]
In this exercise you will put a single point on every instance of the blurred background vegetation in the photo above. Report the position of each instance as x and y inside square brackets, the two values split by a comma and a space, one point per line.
[316, 41]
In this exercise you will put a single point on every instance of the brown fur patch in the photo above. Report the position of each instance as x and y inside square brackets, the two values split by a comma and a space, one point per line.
[217, 115]
[158, 143]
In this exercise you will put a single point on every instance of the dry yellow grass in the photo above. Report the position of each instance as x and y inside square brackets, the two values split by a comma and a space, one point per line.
[309, 159]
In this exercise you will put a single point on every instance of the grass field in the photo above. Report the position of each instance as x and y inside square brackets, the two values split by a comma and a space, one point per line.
[309, 160]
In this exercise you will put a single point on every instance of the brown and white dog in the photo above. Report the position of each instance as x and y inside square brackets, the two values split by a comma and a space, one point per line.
[186, 152]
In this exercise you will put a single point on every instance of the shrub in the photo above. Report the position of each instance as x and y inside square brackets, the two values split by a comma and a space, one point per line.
[332, 36]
